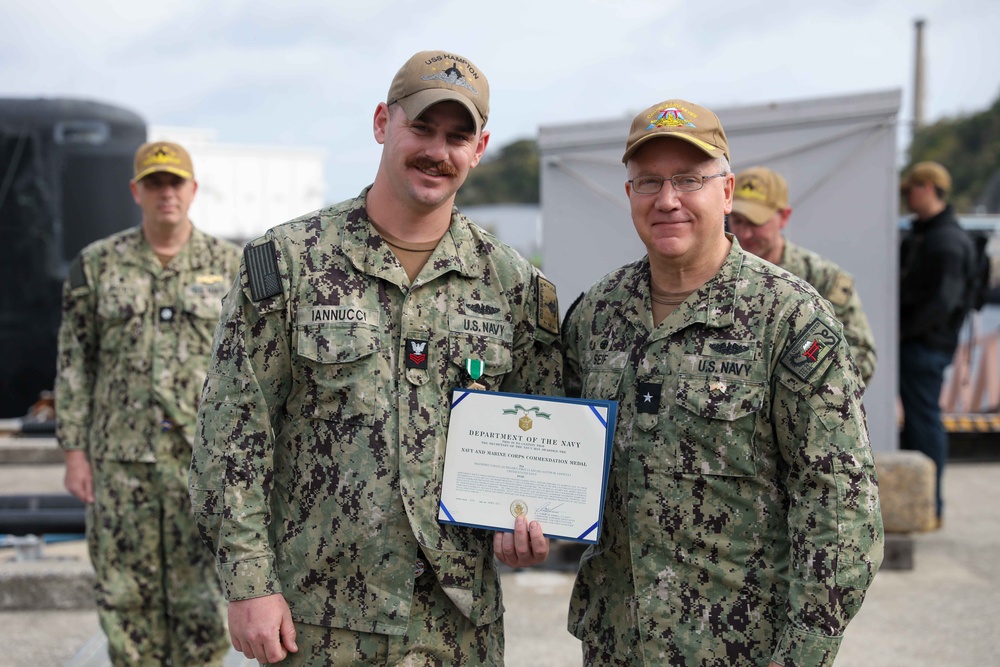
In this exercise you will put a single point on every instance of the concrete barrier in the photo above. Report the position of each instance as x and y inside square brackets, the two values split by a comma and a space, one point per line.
[906, 482]
[16, 449]
[62, 579]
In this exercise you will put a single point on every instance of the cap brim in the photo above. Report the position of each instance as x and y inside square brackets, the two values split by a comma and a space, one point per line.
[170, 170]
[755, 212]
[708, 149]
[420, 101]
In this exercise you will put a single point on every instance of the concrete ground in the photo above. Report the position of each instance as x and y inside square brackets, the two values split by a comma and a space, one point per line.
[944, 611]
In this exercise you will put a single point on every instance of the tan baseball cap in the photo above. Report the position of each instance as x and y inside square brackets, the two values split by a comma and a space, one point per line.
[760, 193]
[162, 156]
[927, 172]
[430, 77]
[683, 120]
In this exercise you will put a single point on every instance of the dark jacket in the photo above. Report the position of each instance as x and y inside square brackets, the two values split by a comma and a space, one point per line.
[936, 260]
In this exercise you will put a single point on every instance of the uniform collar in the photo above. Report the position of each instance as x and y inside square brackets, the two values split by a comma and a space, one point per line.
[712, 305]
[457, 251]
[134, 250]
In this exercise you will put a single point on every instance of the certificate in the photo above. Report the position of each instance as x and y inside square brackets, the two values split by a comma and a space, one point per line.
[540, 457]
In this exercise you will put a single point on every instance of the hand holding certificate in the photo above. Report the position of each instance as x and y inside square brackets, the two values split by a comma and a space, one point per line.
[513, 455]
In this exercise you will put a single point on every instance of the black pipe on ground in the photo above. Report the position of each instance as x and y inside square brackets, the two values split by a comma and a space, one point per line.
[42, 514]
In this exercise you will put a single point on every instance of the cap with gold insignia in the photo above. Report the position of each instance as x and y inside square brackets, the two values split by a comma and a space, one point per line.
[429, 77]
[760, 193]
[163, 156]
[682, 120]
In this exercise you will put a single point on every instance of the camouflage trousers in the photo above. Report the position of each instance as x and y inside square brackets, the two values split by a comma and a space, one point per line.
[158, 596]
[437, 634]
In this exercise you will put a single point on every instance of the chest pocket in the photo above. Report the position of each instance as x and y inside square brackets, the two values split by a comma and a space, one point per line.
[204, 302]
[601, 382]
[203, 306]
[716, 425]
[338, 372]
[493, 352]
[121, 310]
[117, 303]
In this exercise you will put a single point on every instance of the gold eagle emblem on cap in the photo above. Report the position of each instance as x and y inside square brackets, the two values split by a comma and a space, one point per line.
[752, 189]
[162, 155]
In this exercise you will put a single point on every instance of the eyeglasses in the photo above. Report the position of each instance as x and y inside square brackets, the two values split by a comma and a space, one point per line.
[650, 185]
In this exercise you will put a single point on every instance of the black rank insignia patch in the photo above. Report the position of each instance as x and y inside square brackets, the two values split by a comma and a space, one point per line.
[647, 398]
[262, 270]
[416, 353]
[809, 350]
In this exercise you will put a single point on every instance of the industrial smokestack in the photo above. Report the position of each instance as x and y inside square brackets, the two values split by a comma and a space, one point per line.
[918, 77]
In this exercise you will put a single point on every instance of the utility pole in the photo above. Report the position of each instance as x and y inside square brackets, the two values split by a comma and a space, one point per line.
[918, 77]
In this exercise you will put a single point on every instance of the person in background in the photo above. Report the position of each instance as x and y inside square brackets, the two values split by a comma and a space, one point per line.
[139, 311]
[760, 214]
[937, 259]
[741, 524]
[316, 476]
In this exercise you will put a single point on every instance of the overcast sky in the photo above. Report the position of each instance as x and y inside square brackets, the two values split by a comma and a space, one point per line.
[310, 72]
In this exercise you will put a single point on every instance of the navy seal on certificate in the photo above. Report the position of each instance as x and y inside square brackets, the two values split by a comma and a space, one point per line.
[540, 457]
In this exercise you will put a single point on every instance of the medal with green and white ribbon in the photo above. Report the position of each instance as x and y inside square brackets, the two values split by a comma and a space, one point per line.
[475, 368]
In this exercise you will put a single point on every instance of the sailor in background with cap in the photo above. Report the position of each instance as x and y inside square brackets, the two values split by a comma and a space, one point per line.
[741, 523]
[139, 311]
[316, 476]
[760, 213]
[936, 260]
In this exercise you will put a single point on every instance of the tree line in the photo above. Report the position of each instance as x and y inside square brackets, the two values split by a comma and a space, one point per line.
[968, 145]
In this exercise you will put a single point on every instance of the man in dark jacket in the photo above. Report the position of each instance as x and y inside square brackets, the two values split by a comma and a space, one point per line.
[936, 261]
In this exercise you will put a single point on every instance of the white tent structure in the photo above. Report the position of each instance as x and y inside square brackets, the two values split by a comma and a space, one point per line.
[839, 157]
[244, 190]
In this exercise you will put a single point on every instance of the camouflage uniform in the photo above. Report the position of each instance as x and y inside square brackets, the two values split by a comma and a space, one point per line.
[837, 287]
[742, 520]
[317, 470]
[133, 350]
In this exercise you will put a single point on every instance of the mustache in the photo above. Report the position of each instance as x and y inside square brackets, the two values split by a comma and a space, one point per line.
[444, 168]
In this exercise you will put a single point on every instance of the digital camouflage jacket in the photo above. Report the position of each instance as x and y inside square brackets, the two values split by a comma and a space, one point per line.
[742, 520]
[135, 341]
[317, 467]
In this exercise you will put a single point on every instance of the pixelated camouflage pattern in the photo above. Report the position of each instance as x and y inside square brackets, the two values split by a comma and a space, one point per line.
[318, 461]
[742, 521]
[154, 610]
[122, 370]
[437, 634]
[836, 286]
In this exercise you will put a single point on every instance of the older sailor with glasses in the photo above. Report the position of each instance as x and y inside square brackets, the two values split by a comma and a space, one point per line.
[742, 523]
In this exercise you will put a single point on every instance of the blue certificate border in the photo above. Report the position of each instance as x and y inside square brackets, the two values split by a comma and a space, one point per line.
[459, 394]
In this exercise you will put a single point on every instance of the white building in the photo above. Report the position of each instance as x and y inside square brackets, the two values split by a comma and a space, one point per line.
[244, 190]
[517, 225]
